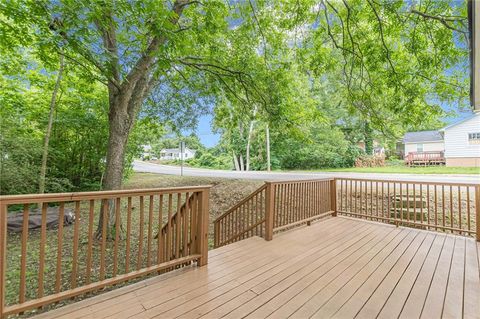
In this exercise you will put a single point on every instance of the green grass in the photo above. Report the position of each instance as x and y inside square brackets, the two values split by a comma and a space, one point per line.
[405, 170]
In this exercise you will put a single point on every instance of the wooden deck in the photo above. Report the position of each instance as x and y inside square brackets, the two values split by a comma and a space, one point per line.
[338, 267]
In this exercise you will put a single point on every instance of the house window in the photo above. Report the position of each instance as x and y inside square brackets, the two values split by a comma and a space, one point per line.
[420, 148]
[474, 138]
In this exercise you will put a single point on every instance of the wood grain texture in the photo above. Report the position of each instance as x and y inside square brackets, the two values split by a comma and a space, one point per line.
[338, 267]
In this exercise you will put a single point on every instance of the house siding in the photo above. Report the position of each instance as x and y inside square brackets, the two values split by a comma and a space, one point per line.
[457, 144]
[427, 147]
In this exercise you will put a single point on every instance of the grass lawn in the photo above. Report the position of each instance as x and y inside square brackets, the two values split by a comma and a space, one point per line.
[405, 170]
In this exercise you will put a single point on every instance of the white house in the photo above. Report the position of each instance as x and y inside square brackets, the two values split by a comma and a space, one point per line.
[147, 151]
[462, 142]
[424, 141]
[176, 154]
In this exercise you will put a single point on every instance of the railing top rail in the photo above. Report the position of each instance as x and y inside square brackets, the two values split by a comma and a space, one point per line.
[294, 181]
[65, 197]
[408, 181]
[258, 190]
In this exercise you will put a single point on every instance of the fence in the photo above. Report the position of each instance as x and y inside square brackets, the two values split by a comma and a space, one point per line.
[117, 236]
[274, 207]
[448, 207]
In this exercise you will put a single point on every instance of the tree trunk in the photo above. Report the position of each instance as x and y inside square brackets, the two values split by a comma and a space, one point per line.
[53, 101]
[125, 99]
[368, 139]
[267, 131]
[120, 124]
[235, 161]
[249, 139]
[242, 167]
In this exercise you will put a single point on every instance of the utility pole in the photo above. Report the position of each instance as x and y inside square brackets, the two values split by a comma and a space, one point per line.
[268, 147]
[182, 152]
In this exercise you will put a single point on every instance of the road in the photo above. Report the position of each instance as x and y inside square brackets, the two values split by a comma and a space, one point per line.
[140, 166]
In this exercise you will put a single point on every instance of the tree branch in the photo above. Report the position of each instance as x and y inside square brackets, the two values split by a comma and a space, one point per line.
[441, 19]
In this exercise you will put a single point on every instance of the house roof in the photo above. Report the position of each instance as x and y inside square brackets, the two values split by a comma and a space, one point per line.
[423, 136]
[175, 150]
[461, 121]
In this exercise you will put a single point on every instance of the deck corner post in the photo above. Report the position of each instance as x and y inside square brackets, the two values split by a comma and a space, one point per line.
[3, 259]
[333, 196]
[269, 209]
[477, 211]
[202, 227]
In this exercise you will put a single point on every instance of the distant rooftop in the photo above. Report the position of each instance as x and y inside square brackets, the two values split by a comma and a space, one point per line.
[175, 150]
[423, 136]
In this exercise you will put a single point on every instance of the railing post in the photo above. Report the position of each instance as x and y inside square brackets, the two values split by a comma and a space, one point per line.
[202, 227]
[269, 209]
[477, 211]
[333, 197]
[3, 255]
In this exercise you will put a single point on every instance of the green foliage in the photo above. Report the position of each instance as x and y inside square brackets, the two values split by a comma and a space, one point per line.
[325, 146]
[321, 76]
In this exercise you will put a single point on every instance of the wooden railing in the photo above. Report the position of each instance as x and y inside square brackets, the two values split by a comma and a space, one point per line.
[273, 207]
[448, 207]
[244, 220]
[429, 157]
[44, 266]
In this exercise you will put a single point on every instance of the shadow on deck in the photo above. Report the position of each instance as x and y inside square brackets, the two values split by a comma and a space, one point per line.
[337, 267]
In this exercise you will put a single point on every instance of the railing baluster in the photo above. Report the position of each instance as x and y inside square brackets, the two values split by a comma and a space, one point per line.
[149, 231]
[178, 226]
[75, 245]
[451, 208]
[58, 271]
[23, 262]
[43, 239]
[117, 236]
[129, 232]
[401, 201]
[459, 210]
[88, 269]
[105, 211]
[443, 206]
[468, 209]
[421, 204]
[185, 224]
[169, 227]
[160, 227]
[140, 234]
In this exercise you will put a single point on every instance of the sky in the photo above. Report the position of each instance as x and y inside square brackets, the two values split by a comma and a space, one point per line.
[204, 131]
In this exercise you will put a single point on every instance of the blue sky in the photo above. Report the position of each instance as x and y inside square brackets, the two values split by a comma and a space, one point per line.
[204, 131]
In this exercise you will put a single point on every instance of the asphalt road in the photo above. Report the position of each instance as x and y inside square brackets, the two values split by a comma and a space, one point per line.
[140, 166]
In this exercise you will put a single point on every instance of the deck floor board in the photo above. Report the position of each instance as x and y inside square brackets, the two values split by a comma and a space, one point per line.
[339, 267]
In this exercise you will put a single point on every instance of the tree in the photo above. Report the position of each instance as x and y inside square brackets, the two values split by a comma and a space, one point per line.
[53, 101]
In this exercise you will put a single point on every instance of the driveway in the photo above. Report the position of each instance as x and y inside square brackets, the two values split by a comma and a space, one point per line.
[139, 166]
